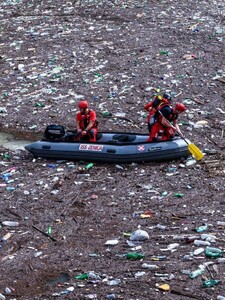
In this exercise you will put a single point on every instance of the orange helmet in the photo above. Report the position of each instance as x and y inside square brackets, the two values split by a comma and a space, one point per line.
[83, 104]
[180, 107]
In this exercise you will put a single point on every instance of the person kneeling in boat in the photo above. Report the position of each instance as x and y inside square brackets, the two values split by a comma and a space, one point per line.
[86, 122]
[156, 103]
[166, 124]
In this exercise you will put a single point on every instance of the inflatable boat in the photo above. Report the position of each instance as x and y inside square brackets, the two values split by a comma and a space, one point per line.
[110, 147]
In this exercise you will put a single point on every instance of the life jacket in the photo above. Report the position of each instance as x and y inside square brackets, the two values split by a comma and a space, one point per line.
[172, 115]
[85, 120]
[159, 101]
[157, 104]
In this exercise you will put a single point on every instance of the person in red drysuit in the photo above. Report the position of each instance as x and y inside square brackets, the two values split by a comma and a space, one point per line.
[166, 125]
[86, 122]
[152, 107]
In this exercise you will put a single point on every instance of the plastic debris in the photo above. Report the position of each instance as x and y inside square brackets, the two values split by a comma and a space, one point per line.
[164, 287]
[213, 252]
[210, 282]
[10, 223]
[135, 256]
[146, 214]
[89, 166]
[139, 235]
[6, 236]
[149, 266]
[111, 296]
[114, 282]
[178, 195]
[111, 242]
[201, 243]
[2, 297]
[197, 272]
[202, 228]
[82, 276]
[139, 274]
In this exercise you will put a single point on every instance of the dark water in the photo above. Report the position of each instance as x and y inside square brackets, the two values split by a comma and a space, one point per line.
[63, 277]
[8, 141]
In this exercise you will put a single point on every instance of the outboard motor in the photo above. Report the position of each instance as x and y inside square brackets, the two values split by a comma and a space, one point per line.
[54, 132]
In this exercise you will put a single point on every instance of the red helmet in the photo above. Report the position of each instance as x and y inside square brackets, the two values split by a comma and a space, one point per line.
[83, 104]
[181, 107]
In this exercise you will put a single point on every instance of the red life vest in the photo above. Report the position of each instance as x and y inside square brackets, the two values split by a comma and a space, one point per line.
[172, 115]
[85, 120]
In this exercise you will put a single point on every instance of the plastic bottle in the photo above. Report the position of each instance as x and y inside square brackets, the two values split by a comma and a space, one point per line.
[6, 156]
[213, 252]
[179, 237]
[139, 235]
[49, 230]
[159, 257]
[111, 296]
[106, 114]
[83, 175]
[2, 297]
[10, 223]
[160, 226]
[114, 282]
[221, 260]
[211, 282]
[38, 104]
[10, 188]
[113, 91]
[82, 276]
[164, 52]
[198, 251]
[8, 291]
[149, 266]
[10, 170]
[92, 275]
[208, 237]
[10, 181]
[6, 175]
[89, 166]
[201, 243]
[221, 223]
[202, 228]
[178, 195]
[6, 236]
[52, 166]
[135, 255]
[196, 273]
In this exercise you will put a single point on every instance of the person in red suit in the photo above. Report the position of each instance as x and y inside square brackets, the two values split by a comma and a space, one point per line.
[155, 104]
[166, 124]
[86, 122]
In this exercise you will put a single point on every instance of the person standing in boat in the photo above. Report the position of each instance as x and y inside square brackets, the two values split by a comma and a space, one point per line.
[166, 125]
[86, 122]
[152, 107]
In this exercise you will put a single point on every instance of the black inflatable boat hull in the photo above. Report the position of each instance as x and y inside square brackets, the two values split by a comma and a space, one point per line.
[111, 148]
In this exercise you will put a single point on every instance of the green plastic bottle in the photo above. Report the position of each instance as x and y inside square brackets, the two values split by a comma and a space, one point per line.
[106, 114]
[196, 273]
[202, 228]
[89, 166]
[178, 195]
[49, 230]
[211, 282]
[165, 52]
[213, 252]
[82, 276]
[135, 255]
